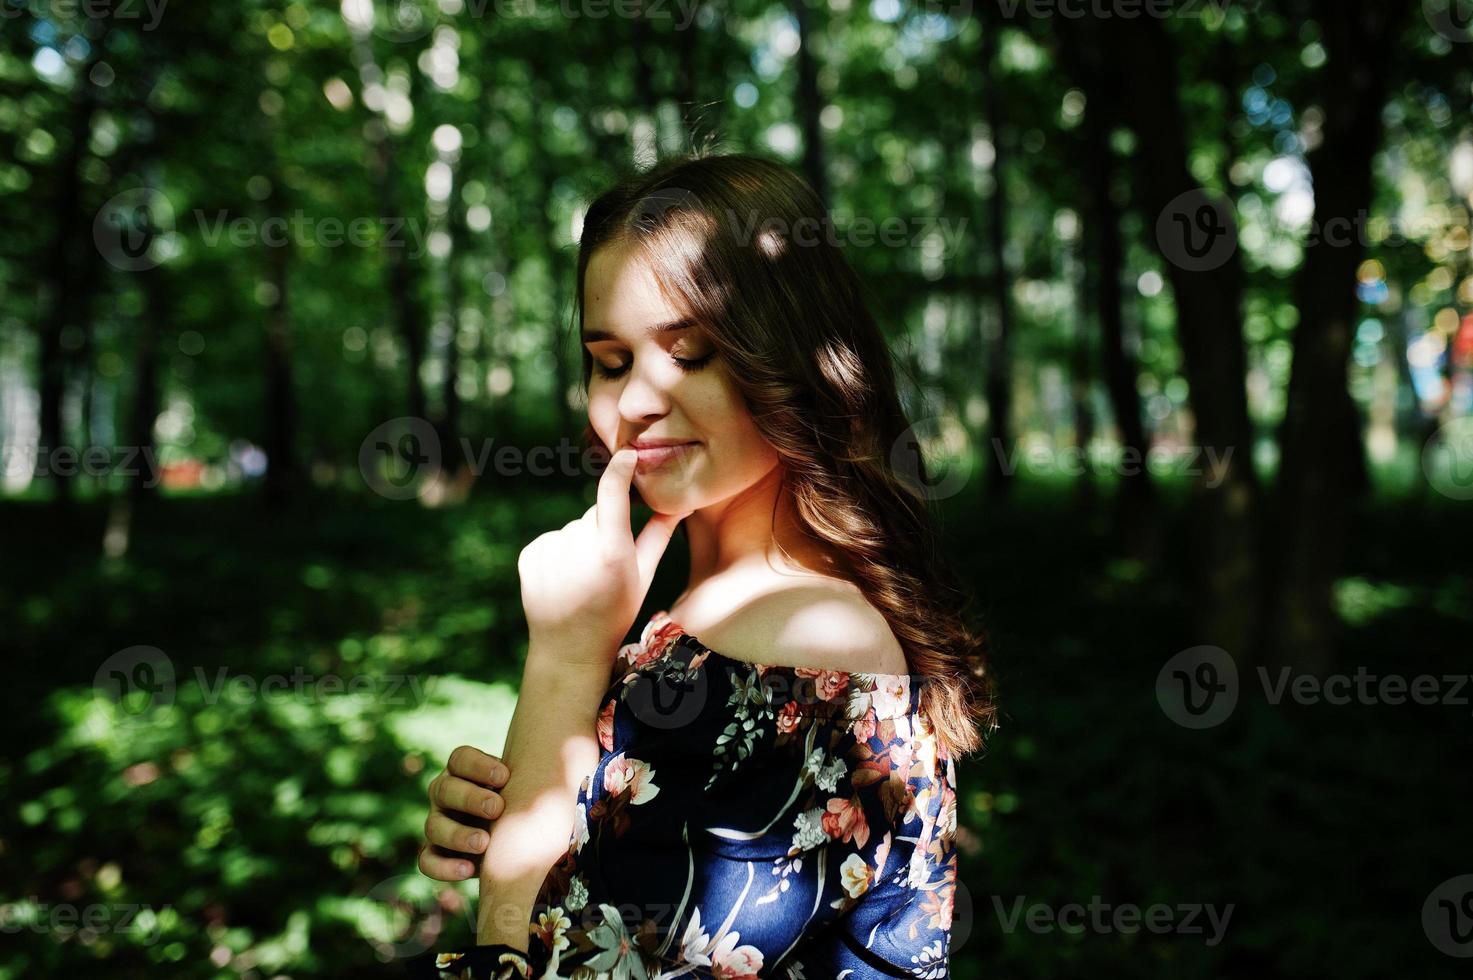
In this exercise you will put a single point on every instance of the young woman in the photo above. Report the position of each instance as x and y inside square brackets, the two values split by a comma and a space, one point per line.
[763, 785]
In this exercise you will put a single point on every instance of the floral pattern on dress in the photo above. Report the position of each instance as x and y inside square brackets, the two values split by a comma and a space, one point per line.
[748, 820]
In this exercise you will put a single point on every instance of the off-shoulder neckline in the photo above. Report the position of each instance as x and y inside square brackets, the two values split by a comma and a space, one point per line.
[662, 620]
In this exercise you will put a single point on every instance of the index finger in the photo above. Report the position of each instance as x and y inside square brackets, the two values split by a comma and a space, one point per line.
[613, 494]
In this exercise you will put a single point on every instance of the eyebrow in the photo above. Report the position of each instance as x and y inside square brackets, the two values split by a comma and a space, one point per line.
[684, 323]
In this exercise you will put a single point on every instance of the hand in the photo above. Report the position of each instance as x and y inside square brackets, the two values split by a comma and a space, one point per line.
[582, 585]
[462, 805]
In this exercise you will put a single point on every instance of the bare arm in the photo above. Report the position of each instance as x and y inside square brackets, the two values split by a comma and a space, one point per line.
[550, 747]
[581, 588]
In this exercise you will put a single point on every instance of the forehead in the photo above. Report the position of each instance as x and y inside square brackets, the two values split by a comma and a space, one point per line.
[621, 294]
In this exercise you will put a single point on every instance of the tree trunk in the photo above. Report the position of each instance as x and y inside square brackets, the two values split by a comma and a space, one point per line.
[642, 47]
[450, 423]
[562, 375]
[283, 470]
[688, 82]
[66, 290]
[999, 382]
[1322, 469]
[1081, 374]
[146, 401]
[1207, 288]
[1118, 362]
[810, 102]
[400, 280]
[402, 283]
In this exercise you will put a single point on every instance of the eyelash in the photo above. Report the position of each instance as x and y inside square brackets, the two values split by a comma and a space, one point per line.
[689, 365]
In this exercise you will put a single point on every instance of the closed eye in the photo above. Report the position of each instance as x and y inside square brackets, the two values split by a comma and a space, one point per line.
[687, 364]
[692, 364]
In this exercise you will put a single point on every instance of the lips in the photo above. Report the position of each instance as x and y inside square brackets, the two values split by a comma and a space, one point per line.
[654, 453]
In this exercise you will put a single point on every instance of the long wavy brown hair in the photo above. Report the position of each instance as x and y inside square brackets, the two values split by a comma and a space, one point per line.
[743, 245]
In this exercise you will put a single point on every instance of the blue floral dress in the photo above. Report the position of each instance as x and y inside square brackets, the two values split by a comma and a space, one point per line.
[745, 821]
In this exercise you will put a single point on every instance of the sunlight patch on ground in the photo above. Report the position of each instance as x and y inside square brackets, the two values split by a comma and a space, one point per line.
[456, 711]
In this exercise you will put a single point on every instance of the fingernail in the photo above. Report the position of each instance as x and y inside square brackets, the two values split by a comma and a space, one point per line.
[466, 870]
[479, 841]
[491, 807]
[499, 774]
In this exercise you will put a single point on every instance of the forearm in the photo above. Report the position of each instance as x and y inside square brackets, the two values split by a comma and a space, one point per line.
[550, 746]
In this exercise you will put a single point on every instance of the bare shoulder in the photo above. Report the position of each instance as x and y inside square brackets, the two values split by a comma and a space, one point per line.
[812, 623]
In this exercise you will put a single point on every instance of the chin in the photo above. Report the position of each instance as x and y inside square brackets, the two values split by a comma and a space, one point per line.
[663, 498]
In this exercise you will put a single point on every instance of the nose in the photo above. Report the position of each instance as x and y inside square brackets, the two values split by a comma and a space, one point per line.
[643, 398]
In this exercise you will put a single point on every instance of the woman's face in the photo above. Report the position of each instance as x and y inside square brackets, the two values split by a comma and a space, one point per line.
[658, 385]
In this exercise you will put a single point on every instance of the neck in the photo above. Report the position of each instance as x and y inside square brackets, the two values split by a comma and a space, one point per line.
[756, 525]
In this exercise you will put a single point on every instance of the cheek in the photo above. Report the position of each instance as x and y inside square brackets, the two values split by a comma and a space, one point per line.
[603, 415]
[740, 448]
